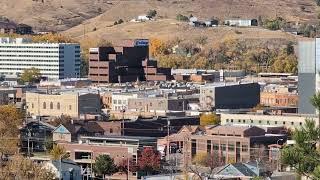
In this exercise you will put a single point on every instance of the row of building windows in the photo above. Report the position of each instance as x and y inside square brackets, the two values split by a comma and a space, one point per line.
[17, 55]
[51, 106]
[50, 65]
[263, 122]
[119, 101]
[32, 47]
[28, 51]
[18, 69]
[32, 60]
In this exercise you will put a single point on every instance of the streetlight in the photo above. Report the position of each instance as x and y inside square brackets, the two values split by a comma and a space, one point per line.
[128, 164]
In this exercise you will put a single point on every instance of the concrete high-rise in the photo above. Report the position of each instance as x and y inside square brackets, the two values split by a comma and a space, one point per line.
[308, 73]
[54, 60]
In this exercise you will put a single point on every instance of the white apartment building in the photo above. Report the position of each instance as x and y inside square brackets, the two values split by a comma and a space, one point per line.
[54, 60]
[120, 100]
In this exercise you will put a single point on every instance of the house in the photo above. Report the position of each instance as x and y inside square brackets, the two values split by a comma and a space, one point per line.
[24, 29]
[7, 27]
[241, 22]
[72, 131]
[34, 135]
[250, 170]
[64, 169]
[242, 171]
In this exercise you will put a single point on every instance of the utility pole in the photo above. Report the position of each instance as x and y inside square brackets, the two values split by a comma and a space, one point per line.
[168, 143]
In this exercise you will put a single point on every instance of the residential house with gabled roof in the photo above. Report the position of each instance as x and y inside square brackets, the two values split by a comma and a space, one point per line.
[61, 133]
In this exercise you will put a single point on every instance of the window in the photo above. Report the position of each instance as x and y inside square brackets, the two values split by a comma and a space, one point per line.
[276, 122]
[32, 105]
[244, 148]
[239, 120]
[259, 122]
[70, 107]
[292, 123]
[244, 121]
[227, 120]
[284, 122]
[231, 147]
[232, 120]
[209, 146]
[51, 105]
[58, 106]
[193, 147]
[251, 121]
[111, 130]
[44, 105]
[114, 101]
[215, 147]
[300, 123]
[82, 155]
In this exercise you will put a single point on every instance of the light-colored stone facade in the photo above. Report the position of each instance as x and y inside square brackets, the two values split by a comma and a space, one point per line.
[71, 104]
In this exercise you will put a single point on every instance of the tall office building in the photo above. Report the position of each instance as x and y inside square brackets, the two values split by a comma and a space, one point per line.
[54, 60]
[308, 73]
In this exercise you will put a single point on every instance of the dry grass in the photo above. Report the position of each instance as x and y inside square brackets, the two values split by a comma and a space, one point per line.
[50, 15]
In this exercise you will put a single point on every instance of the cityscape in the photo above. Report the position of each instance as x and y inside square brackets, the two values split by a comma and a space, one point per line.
[160, 90]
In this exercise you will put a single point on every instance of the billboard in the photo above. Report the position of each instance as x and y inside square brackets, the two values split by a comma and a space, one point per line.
[142, 42]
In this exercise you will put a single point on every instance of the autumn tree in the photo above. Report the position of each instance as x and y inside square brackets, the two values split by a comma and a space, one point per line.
[52, 38]
[10, 120]
[157, 47]
[209, 119]
[19, 167]
[104, 165]
[204, 162]
[31, 75]
[63, 119]
[149, 161]
[58, 152]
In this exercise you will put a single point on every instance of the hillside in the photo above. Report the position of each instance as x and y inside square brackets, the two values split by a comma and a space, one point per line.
[63, 14]
[169, 29]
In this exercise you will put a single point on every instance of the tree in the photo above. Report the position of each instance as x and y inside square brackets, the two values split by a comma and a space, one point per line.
[318, 2]
[149, 161]
[315, 101]
[19, 167]
[152, 13]
[104, 165]
[303, 156]
[204, 163]
[123, 166]
[10, 120]
[31, 75]
[209, 119]
[52, 38]
[58, 152]
[158, 47]
[63, 119]
[181, 17]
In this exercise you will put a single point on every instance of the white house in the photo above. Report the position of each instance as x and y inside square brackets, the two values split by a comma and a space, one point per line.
[65, 169]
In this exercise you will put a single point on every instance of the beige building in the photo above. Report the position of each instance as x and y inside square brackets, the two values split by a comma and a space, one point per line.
[263, 120]
[71, 103]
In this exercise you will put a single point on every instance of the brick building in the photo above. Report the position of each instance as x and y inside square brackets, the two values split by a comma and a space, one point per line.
[120, 148]
[231, 143]
[126, 62]
[275, 99]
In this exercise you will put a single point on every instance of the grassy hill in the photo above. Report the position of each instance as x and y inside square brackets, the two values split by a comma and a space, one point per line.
[63, 14]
